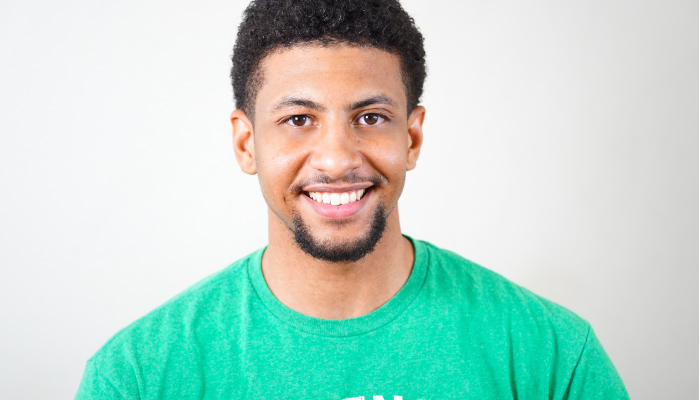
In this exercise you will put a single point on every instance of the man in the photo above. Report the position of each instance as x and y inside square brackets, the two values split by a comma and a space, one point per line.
[340, 304]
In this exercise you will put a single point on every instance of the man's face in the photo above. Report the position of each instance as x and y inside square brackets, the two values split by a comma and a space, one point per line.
[331, 145]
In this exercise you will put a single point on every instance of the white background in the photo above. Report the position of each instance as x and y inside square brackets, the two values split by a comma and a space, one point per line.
[561, 150]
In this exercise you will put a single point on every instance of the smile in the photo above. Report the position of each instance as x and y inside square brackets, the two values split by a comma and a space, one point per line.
[337, 198]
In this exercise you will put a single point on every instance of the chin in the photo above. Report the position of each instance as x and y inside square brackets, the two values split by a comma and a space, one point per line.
[343, 250]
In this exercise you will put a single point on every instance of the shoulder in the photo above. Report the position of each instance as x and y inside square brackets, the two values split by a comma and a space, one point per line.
[173, 324]
[488, 293]
[509, 322]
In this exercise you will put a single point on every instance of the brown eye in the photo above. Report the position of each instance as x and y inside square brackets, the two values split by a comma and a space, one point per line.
[299, 120]
[371, 119]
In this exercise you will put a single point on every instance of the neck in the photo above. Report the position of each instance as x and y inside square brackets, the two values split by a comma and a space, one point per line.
[329, 290]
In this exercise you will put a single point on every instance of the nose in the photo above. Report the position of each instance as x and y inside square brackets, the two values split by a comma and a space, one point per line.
[337, 151]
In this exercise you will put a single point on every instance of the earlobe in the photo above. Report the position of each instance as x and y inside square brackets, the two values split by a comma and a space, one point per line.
[243, 141]
[415, 136]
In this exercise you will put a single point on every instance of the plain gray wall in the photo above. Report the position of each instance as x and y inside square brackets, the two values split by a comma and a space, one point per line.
[561, 150]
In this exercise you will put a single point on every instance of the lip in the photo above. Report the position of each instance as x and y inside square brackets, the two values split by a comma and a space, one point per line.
[336, 188]
[343, 211]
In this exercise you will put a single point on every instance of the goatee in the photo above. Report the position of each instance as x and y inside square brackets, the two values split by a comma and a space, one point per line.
[343, 251]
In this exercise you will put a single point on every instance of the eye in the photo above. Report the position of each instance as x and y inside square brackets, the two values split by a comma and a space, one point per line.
[370, 119]
[298, 120]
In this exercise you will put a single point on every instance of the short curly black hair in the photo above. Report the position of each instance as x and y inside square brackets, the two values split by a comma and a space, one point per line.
[270, 24]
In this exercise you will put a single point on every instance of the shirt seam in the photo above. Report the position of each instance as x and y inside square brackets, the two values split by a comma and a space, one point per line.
[298, 328]
[109, 381]
[578, 362]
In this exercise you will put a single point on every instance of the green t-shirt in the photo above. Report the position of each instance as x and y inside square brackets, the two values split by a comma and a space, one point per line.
[455, 330]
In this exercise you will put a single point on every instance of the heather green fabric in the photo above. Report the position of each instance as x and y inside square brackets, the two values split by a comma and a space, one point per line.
[454, 331]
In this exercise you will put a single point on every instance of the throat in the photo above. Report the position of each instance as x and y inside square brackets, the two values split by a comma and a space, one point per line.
[338, 290]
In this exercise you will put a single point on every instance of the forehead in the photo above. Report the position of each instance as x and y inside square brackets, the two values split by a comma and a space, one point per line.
[331, 75]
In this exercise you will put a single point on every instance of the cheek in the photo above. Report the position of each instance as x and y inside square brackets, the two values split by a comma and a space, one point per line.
[277, 167]
[389, 157]
[277, 152]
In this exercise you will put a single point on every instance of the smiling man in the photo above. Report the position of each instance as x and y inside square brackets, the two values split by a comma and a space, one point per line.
[332, 137]
[340, 304]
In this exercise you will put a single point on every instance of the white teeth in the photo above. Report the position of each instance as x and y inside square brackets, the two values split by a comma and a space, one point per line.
[336, 199]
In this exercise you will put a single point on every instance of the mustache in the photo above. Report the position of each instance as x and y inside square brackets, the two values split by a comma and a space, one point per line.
[376, 179]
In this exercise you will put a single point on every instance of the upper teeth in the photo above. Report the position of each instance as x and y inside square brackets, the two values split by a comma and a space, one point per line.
[337, 199]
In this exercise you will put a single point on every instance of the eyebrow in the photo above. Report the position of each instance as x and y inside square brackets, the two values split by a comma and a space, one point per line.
[291, 101]
[378, 99]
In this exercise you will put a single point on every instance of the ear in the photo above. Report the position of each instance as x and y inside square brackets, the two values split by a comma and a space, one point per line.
[243, 142]
[415, 136]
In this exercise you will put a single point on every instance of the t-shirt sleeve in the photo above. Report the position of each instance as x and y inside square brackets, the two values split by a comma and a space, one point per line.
[97, 386]
[595, 376]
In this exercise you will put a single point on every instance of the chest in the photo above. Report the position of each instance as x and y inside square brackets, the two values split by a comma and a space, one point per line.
[405, 361]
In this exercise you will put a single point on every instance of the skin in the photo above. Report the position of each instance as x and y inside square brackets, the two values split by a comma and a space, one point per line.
[339, 137]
